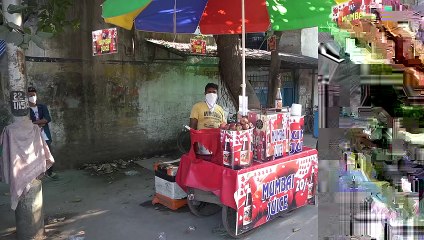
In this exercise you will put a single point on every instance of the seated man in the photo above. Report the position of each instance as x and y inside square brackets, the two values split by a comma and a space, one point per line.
[207, 114]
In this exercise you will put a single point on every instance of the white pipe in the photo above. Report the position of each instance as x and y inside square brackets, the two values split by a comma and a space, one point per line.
[243, 44]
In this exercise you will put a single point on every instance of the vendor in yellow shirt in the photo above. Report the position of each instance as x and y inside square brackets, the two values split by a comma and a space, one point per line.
[207, 114]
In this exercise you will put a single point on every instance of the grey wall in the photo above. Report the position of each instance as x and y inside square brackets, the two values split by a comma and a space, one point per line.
[114, 106]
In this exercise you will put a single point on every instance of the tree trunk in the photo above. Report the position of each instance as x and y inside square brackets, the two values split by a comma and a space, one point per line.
[15, 55]
[274, 71]
[230, 60]
[29, 212]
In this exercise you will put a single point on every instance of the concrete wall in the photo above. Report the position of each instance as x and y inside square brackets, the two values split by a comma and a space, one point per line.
[115, 106]
[302, 41]
[127, 110]
[305, 86]
[309, 42]
[291, 42]
[120, 105]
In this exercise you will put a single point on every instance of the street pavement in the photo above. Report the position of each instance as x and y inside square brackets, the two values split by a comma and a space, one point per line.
[117, 206]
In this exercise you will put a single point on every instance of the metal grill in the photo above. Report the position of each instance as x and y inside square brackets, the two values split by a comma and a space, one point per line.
[259, 83]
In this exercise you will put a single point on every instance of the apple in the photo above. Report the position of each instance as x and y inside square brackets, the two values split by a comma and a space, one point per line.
[244, 120]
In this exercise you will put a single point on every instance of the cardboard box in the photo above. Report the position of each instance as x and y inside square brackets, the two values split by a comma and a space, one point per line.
[165, 184]
[237, 148]
[270, 134]
[296, 126]
[169, 189]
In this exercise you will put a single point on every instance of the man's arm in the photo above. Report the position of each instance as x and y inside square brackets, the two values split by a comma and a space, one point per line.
[193, 123]
[194, 116]
[46, 114]
[46, 117]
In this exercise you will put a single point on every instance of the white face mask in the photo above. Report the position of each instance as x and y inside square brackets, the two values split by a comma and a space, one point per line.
[32, 99]
[211, 99]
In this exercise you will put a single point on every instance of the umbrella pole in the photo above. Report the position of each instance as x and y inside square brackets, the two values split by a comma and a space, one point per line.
[243, 44]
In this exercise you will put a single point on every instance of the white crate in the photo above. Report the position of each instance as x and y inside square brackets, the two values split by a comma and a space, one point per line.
[169, 189]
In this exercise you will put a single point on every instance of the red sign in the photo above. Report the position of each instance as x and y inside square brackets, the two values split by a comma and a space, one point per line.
[265, 193]
[105, 41]
[198, 46]
[272, 43]
[237, 147]
[271, 135]
[353, 10]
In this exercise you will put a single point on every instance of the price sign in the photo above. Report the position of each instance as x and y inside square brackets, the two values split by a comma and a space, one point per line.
[18, 103]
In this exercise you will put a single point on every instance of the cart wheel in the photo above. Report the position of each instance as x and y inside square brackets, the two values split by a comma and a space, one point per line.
[229, 216]
[313, 201]
[201, 209]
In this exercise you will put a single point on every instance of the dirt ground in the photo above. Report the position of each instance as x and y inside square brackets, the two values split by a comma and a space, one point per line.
[118, 206]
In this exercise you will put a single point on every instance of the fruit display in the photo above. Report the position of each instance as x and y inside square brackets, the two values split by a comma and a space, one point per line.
[243, 124]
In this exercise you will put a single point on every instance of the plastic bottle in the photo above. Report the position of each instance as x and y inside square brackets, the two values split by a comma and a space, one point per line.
[278, 101]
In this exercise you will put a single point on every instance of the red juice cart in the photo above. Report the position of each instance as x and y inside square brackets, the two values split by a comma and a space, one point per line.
[252, 196]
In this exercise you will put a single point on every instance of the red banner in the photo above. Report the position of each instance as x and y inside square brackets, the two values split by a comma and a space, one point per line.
[105, 41]
[265, 193]
[353, 10]
[272, 43]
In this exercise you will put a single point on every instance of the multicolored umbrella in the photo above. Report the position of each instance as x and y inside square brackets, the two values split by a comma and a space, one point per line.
[217, 16]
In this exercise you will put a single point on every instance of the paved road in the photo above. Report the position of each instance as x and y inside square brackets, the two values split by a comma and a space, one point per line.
[118, 207]
[110, 211]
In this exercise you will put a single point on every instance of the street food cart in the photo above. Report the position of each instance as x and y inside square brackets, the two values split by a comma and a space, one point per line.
[252, 195]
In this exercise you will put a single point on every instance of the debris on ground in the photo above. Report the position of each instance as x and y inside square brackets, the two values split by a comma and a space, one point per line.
[106, 168]
[76, 238]
[132, 173]
[79, 236]
[190, 229]
[52, 220]
[76, 200]
[161, 236]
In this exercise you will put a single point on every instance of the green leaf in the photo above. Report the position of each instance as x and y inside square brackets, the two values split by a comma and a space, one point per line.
[15, 8]
[27, 38]
[15, 38]
[27, 30]
[24, 46]
[3, 28]
[3, 34]
[14, 26]
[38, 41]
[44, 35]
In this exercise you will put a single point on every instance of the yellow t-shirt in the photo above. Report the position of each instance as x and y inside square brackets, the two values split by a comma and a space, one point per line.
[206, 118]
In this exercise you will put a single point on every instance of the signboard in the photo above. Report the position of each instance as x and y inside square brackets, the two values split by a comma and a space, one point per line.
[263, 194]
[272, 43]
[198, 46]
[353, 10]
[105, 41]
[18, 102]
[271, 135]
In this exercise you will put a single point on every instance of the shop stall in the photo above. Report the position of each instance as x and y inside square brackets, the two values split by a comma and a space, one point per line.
[258, 170]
